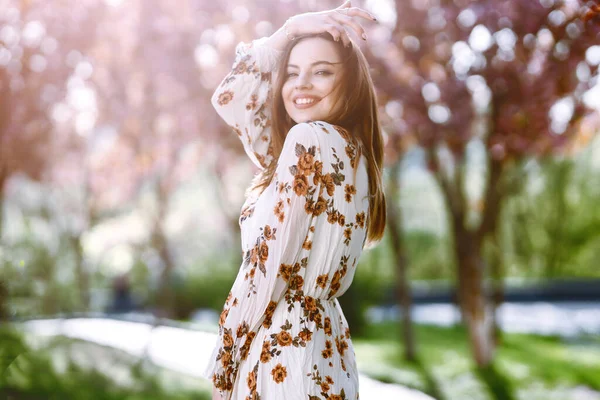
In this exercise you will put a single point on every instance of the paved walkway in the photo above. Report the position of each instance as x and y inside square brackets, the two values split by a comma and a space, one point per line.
[567, 319]
[178, 349]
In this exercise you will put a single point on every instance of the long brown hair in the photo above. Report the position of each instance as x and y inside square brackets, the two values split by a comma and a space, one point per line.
[358, 115]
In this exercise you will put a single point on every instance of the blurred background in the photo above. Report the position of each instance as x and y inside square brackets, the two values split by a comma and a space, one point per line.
[120, 191]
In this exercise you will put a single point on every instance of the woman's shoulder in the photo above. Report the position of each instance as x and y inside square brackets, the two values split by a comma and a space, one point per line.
[327, 128]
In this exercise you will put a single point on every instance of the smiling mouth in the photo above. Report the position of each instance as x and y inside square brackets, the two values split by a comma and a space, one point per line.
[305, 102]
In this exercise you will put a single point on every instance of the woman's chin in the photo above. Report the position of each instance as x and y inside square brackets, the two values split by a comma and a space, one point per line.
[303, 118]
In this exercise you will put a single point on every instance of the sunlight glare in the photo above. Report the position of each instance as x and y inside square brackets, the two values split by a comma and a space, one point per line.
[383, 10]
[206, 56]
[480, 38]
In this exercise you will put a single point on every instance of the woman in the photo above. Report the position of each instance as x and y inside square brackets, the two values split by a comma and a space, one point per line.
[315, 136]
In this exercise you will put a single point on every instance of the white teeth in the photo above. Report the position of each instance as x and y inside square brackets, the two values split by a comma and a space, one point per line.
[305, 101]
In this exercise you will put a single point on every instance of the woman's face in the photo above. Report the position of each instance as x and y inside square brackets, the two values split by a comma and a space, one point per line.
[312, 71]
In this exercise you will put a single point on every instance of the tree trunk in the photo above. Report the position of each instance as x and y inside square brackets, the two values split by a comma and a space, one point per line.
[3, 301]
[166, 294]
[2, 183]
[81, 273]
[165, 297]
[403, 292]
[3, 283]
[497, 289]
[472, 296]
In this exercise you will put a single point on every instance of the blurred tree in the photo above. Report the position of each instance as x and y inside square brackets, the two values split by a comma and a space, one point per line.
[402, 288]
[502, 79]
[39, 52]
[553, 228]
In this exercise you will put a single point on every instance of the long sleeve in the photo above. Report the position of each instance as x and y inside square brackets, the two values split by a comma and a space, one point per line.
[275, 263]
[243, 99]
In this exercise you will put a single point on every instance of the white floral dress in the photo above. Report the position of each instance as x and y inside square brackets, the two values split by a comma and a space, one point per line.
[282, 333]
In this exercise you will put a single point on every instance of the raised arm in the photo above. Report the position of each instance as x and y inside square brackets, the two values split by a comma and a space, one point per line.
[243, 99]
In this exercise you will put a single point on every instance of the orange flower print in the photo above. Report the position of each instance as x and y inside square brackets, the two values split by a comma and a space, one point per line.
[360, 219]
[240, 68]
[328, 352]
[242, 329]
[332, 217]
[297, 282]
[342, 220]
[322, 280]
[318, 172]
[305, 334]
[343, 132]
[329, 184]
[225, 358]
[348, 233]
[320, 206]
[316, 317]
[251, 381]
[223, 317]
[300, 185]
[227, 340]
[325, 387]
[253, 103]
[285, 271]
[279, 373]
[245, 349]
[269, 313]
[254, 255]
[351, 154]
[307, 245]
[225, 97]
[265, 355]
[278, 211]
[268, 232]
[310, 303]
[335, 283]
[309, 206]
[349, 190]
[284, 338]
[265, 76]
[341, 344]
[306, 164]
[327, 326]
[263, 252]
[335, 397]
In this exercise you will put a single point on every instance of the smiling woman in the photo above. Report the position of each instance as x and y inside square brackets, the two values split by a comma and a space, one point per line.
[318, 199]
[313, 70]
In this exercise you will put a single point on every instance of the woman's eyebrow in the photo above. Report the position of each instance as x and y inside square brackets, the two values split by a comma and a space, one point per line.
[316, 63]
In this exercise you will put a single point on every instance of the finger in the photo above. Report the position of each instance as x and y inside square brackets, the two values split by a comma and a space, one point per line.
[334, 31]
[338, 33]
[359, 12]
[342, 19]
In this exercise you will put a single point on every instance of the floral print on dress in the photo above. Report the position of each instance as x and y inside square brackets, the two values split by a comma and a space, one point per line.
[301, 241]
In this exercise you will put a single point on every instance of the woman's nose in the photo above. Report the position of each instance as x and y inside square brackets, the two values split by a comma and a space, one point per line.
[303, 81]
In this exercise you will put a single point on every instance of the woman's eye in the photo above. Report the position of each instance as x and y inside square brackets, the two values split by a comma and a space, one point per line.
[291, 74]
[323, 73]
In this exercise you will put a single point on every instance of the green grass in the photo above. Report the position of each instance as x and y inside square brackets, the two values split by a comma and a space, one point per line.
[71, 369]
[526, 366]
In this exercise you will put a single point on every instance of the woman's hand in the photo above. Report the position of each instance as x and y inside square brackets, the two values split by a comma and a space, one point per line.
[333, 21]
